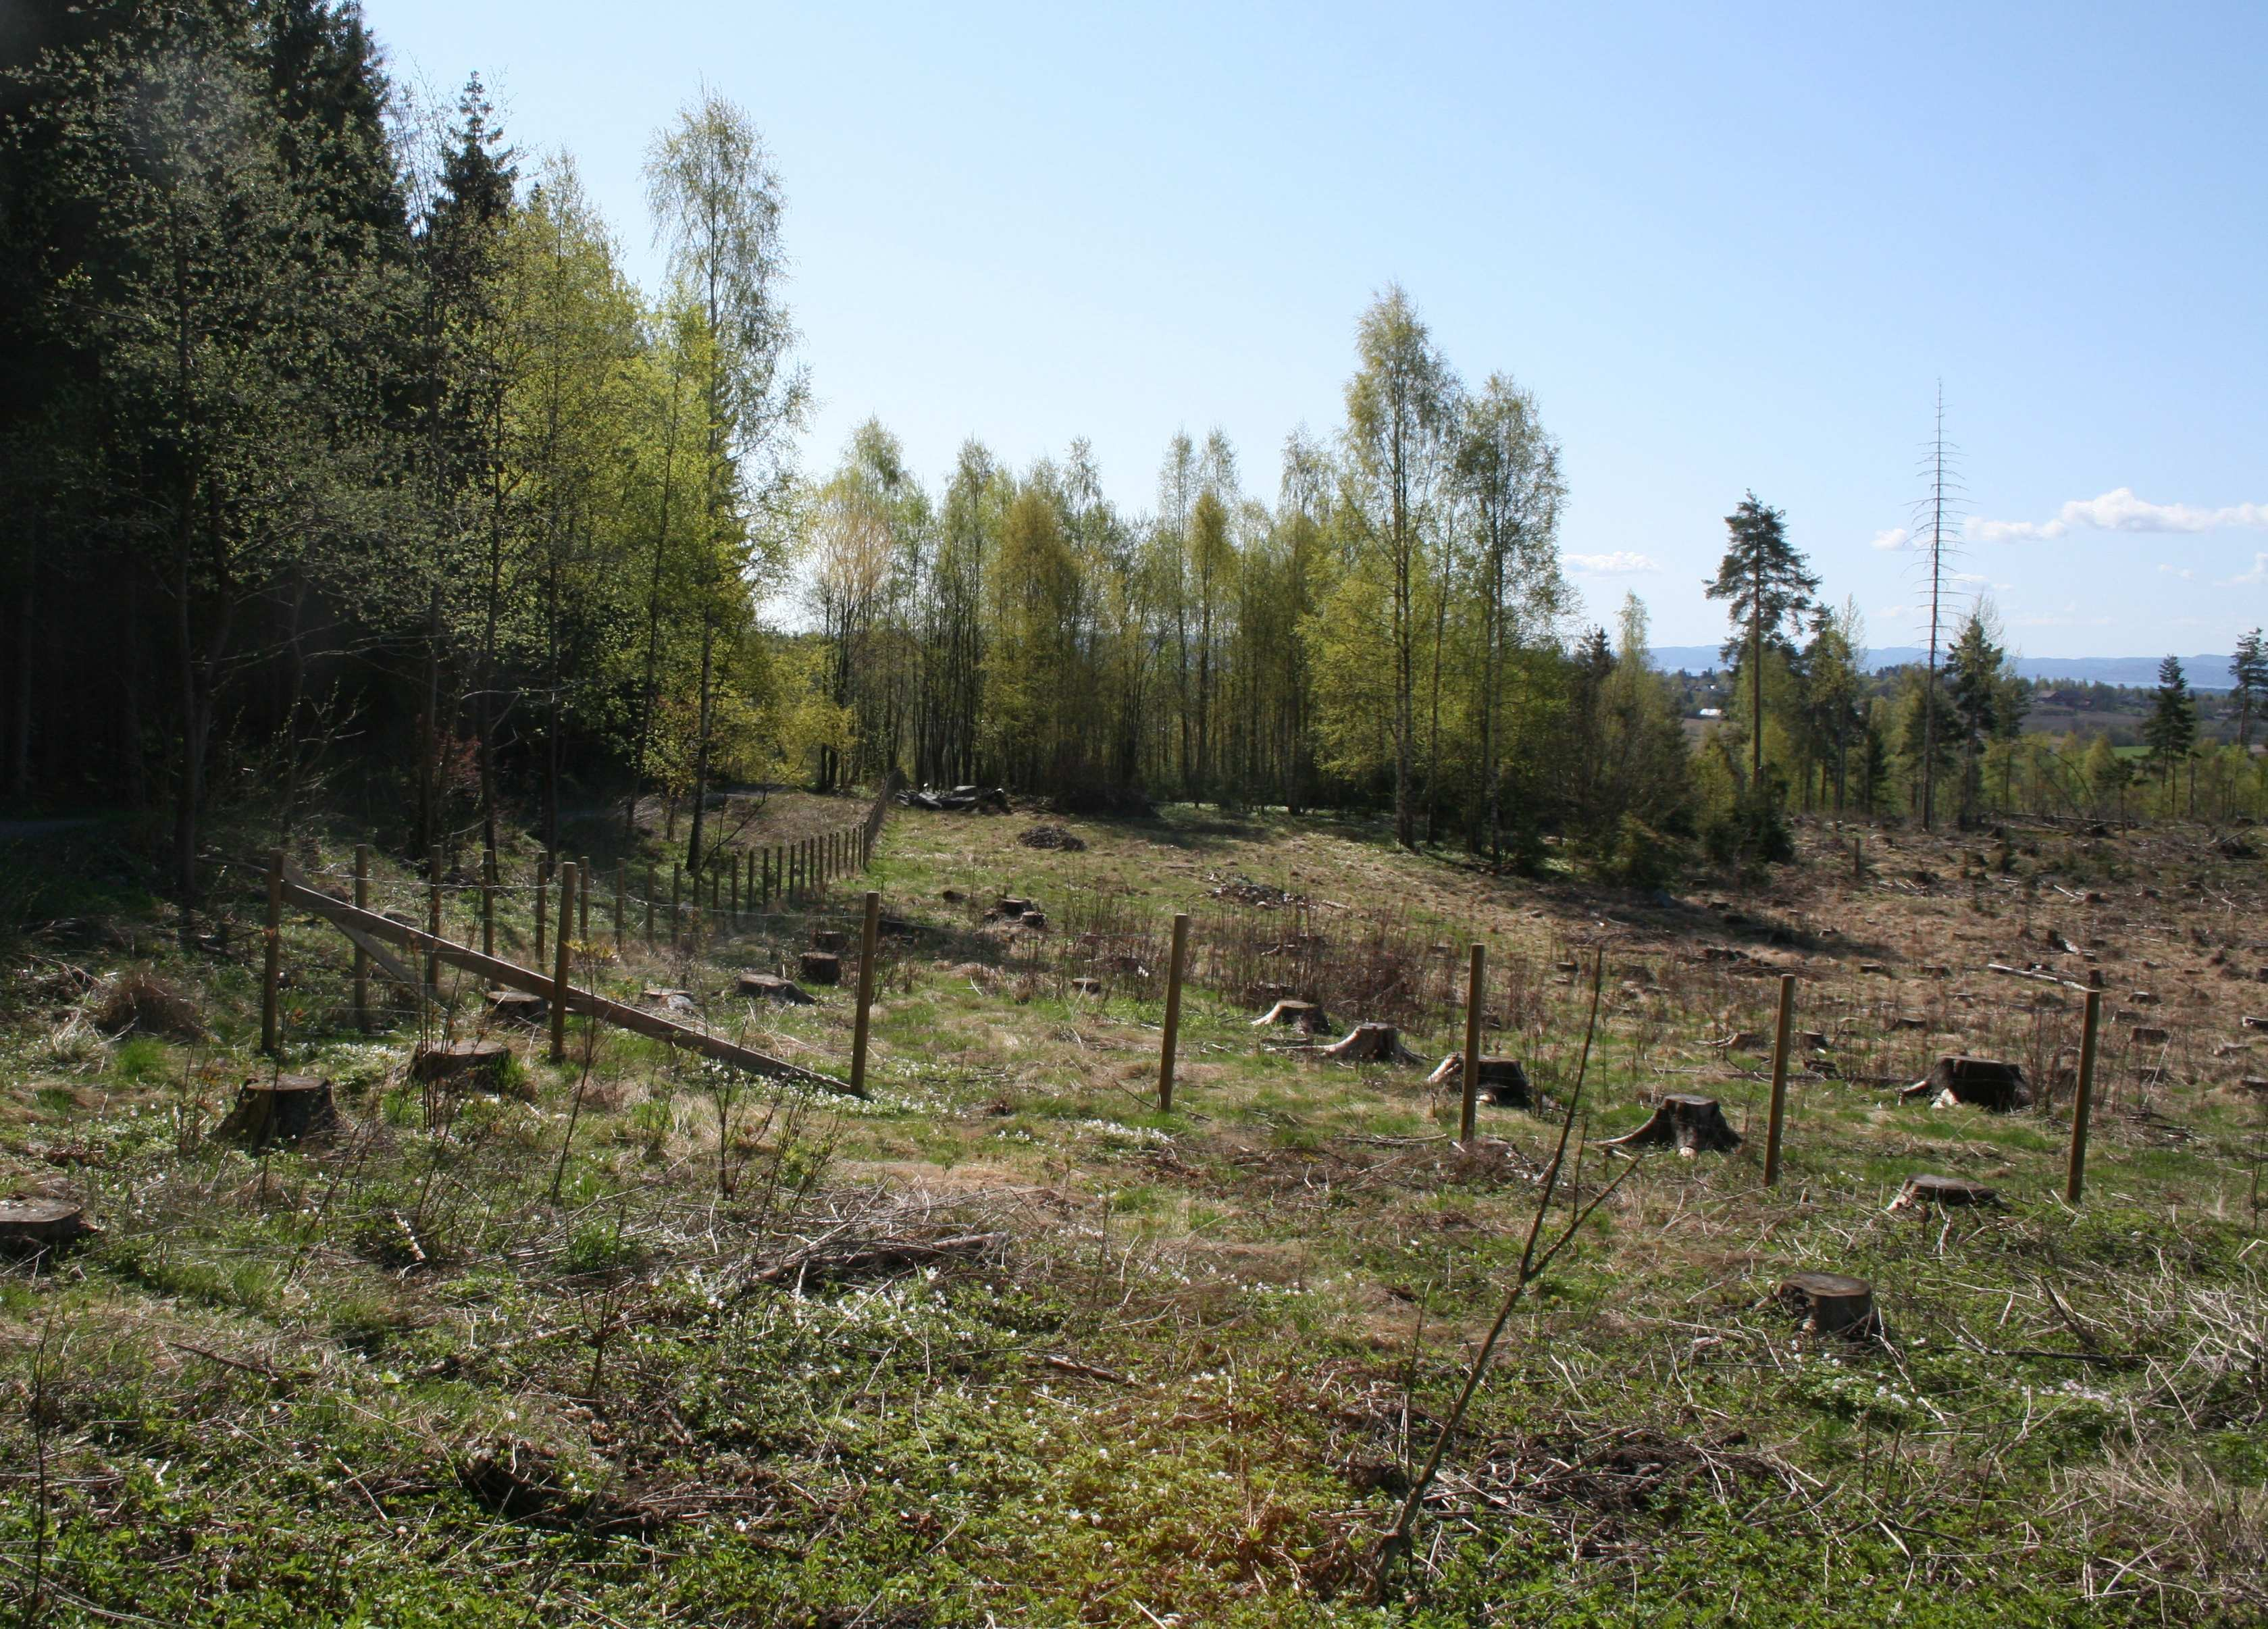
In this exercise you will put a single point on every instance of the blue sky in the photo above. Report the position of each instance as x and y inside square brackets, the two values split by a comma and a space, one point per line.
[1727, 247]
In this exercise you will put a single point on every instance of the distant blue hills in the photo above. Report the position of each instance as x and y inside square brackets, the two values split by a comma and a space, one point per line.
[2204, 673]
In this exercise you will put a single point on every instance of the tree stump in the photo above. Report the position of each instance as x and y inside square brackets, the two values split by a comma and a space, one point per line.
[1812, 1040]
[2254, 1024]
[2150, 1035]
[517, 1007]
[37, 1227]
[820, 967]
[1085, 986]
[449, 1062]
[1687, 1123]
[1501, 1081]
[1981, 1082]
[832, 941]
[1831, 1303]
[283, 1110]
[1013, 905]
[1034, 919]
[2253, 1083]
[2142, 997]
[667, 1000]
[1944, 1190]
[771, 987]
[1742, 1040]
[1371, 1043]
[1288, 1014]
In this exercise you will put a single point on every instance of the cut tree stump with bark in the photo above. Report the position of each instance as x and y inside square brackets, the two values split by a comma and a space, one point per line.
[517, 1007]
[771, 987]
[1981, 1082]
[1831, 1303]
[832, 941]
[1034, 919]
[1288, 1015]
[2150, 1035]
[1085, 986]
[1500, 1080]
[284, 1109]
[820, 967]
[1013, 905]
[1944, 1190]
[38, 1227]
[1688, 1125]
[453, 1059]
[1370, 1043]
[668, 1000]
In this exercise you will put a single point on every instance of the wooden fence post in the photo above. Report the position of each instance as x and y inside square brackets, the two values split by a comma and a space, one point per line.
[1475, 991]
[1172, 1013]
[361, 956]
[487, 901]
[2082, 1102]
[433, 915]
[867, 942]
[271, 962]
[559, 973]
[1779, 1110]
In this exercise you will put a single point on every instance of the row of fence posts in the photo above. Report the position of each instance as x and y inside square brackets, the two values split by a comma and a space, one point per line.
[791, 875]
[1776, 1115]
[811, 864]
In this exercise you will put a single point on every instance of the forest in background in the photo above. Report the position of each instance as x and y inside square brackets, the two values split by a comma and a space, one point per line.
[340, 450]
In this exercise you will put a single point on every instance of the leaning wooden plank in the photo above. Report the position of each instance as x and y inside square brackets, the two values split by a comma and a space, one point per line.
[588, 1003]
[378, 953]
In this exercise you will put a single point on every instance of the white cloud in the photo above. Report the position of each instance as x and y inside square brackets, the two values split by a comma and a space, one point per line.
[1897, 537]
[1621, 562]
[2119, 509]
[1967, 577]
[2182, 572]
[2246, 579]
[2015, 531]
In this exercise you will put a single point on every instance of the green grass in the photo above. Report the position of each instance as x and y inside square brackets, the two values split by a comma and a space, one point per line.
[1184, 1371]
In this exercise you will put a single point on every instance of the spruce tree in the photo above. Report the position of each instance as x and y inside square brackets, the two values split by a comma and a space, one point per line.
[2172, 726]
[1976, 687]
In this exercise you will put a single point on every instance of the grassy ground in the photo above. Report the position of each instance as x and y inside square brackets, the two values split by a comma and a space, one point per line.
[633, 1341]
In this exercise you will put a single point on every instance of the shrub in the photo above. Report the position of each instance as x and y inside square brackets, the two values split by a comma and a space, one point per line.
[138, 999]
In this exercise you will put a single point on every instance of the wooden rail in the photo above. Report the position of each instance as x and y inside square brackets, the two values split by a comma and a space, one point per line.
[371, 933]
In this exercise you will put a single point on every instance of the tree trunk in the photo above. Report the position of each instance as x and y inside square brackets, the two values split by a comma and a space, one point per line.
[701, 754]
[19, 745]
